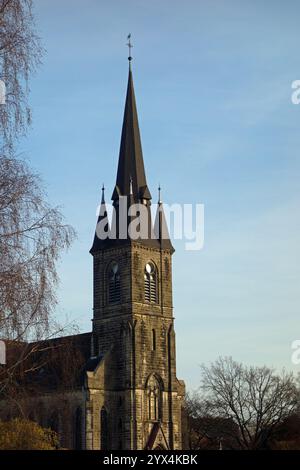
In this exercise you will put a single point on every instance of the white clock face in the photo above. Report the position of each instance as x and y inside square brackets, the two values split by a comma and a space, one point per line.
[148, 268]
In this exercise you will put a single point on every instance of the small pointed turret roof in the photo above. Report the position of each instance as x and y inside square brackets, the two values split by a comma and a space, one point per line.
[102, 225]
[161, 231]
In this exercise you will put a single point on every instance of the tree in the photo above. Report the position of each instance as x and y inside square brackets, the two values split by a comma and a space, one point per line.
[32, 233]
[287, 436]
[20, 434]
[205, 431]
[32, 236]
[254, 398]
[20, 54]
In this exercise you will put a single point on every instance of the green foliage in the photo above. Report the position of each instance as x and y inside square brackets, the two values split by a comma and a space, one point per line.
[21, 434]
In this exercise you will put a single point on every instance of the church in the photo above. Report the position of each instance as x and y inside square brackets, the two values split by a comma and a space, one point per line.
[123, 392]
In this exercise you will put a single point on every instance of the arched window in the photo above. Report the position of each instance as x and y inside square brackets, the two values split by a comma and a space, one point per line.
[104, 429]
[114, 286]
[150, 278]
[78, 429]
[31, 416]
[153, 396]
[53, 422]
[41, 414]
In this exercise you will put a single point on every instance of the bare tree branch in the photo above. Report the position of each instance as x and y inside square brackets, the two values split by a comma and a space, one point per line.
[20, 54]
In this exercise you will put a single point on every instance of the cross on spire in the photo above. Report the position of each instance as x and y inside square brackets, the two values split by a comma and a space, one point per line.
[130, 46]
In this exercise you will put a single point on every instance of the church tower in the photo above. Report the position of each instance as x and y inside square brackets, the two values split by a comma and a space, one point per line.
[133, 397]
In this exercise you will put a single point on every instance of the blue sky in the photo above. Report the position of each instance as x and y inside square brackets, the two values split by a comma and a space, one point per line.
[213, 87]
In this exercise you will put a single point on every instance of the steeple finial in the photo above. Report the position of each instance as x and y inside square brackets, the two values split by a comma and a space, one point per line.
[103, 198]
[130, 186]
[130, 46]
[159, 194]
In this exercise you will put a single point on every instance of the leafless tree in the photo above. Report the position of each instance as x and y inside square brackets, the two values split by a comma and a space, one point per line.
[205, 431]
[20, 54]
[256, 399]
[32, 236]
[32, 233]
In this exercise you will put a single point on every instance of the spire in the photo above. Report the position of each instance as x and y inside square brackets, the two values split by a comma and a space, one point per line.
[131, 182]
[102, 227]
[131, 163]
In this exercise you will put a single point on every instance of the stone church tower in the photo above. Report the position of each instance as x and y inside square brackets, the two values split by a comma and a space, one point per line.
[115, 387]
[133, 397]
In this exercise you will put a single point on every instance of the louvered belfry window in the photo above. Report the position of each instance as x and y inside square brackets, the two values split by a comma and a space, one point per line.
[150, 278]
[114, 285]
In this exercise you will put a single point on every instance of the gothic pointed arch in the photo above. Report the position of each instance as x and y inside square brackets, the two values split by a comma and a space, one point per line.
[54, 421]
[104, 438]
[153, 391]
[126, 328]
[151, 282]
[32, 416]
[113, 280]
[41, 415]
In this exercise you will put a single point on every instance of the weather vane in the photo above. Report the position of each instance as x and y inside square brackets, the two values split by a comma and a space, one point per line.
[130, 46]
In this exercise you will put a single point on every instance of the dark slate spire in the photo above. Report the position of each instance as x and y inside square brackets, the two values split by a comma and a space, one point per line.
[131, 182]
[102, 225]
[131, 163]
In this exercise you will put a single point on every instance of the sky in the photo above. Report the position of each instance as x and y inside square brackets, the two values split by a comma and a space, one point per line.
[213, 88]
